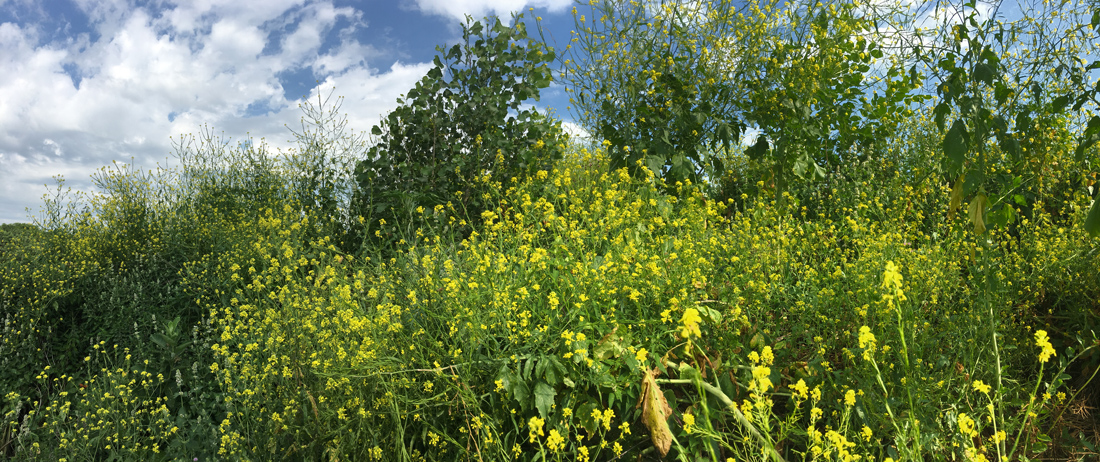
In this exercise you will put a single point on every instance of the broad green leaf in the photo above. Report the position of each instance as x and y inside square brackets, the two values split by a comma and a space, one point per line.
[656, 164]
[983, 73]
[690, 373]
[1060, 103]
[954, 145]
[710, 314]
[608, 347]
[159, 339]
[521, 392]
[584, 412]
[1089, 138]
[544, 398]
[1092, 222]
[528, 366]
[758, 150]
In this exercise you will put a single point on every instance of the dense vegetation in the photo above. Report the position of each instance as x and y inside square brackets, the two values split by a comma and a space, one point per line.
[862, 281]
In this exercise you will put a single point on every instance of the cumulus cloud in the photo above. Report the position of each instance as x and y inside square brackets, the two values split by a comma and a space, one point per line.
[458, 9]
[72, 102]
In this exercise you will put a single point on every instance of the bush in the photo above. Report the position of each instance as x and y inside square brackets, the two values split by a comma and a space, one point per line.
[459, 135]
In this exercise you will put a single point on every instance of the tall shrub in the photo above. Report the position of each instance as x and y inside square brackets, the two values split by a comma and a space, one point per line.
[460, 131]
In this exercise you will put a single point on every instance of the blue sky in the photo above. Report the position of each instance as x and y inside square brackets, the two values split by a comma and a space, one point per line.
[84, 83]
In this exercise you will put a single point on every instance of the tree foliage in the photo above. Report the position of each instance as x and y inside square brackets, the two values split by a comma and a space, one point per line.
[1008, 87]
[460, 131]
[669, 83]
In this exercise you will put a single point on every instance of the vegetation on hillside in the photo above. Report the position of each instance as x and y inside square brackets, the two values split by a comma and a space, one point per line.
[906, 276]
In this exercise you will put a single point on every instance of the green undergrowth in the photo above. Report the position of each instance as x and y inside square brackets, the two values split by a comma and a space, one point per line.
[207, 313]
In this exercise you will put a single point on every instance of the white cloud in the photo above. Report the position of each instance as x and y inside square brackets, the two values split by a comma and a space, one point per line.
[574, 130]
[369, 96]
[146, 75]
[458, 9]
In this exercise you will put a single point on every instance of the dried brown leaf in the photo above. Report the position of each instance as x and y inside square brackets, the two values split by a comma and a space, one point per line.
[655, 412]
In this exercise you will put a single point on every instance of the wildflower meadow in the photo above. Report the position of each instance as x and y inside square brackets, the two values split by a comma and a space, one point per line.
[899, 263]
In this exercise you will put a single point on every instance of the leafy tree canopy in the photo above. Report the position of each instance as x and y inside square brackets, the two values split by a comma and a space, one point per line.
[460, 132]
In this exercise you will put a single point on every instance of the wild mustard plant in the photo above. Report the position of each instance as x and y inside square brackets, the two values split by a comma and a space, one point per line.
[585, 298]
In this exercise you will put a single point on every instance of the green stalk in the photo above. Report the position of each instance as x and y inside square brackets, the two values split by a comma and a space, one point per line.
[996, 346]
[908, 386]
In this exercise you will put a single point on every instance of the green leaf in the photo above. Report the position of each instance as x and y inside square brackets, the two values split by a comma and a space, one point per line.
[528, 365]
[584, 412]
[709, 314]
[758, 150]
[983, 73]
[690, 373]
[954, 145]
[655, 163]
[1060, 103]
[544, 398]
[1089, 138]
[159, 339]
[521, 392]
[1092, 222]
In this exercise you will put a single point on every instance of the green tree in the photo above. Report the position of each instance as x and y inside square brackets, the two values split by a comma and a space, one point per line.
[667, 83]
[460, 133]
[1009, 88]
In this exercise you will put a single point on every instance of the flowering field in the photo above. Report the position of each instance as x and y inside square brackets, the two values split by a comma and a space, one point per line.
[905, 289]
[590, 315]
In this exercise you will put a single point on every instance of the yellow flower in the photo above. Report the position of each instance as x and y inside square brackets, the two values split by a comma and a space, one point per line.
[801, 390]
[607, 416]
[850, 398]
[555, 441]
[867, 342]
[974, 455]
[1043, 342]
[690, 323]
[689, 423]
[761, 378]
[981, 386]
[891, 281]
[535, 428]
[966, 426]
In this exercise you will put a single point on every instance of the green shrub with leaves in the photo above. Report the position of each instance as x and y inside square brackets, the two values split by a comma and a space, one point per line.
[673, 85]
[458, 132]
[1009, 86]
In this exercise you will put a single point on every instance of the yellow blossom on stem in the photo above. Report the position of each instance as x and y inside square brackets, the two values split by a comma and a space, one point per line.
[981, 387]
[690, 324]
[1046, 350]
[867, 342]
[535, 428]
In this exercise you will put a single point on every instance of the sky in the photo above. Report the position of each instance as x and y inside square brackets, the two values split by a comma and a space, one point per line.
[84, 83]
